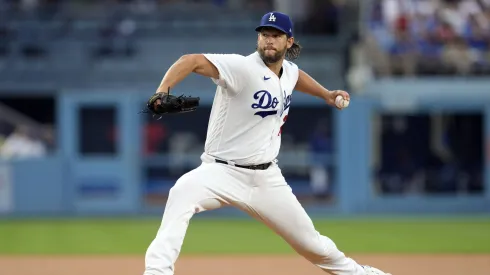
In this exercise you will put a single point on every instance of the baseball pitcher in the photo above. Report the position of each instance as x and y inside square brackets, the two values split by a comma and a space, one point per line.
[239, 166]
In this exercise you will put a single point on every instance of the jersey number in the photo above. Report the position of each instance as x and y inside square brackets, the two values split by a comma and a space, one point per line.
[283, 121]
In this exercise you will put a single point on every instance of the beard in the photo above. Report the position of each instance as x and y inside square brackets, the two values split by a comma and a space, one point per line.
[269, 59]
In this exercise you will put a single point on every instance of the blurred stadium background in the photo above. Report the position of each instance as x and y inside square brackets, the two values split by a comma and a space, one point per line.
[81, 172]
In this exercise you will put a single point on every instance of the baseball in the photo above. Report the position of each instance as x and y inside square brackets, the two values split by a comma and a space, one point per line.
[341, 102]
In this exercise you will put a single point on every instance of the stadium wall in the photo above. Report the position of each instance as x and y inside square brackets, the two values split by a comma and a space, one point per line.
[68, 184]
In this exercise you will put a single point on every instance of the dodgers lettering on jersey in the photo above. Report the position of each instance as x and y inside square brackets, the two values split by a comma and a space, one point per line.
[250, 106]
[265, 102]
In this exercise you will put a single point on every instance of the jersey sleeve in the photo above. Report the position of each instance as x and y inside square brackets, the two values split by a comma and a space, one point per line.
[231, 70]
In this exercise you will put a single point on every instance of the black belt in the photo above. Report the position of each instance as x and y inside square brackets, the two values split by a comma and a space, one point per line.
[262, 166]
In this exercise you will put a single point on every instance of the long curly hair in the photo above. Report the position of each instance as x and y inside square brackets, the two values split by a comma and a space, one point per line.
[293, 52]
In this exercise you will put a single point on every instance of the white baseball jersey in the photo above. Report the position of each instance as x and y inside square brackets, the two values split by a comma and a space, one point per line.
[250, 106]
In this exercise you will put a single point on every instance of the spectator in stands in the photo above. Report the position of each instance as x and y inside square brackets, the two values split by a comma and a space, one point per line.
[428, 47]
[457, 56]
[403, 49]
[22, 144]
[477, 34]
[379, 42]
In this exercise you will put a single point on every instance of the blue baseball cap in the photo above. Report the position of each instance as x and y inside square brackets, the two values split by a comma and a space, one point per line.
[277, 20]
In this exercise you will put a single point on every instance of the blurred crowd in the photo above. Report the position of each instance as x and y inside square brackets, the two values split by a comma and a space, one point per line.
[429, 37]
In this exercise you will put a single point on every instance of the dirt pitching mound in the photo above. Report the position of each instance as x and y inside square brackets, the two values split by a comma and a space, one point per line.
[240, 265]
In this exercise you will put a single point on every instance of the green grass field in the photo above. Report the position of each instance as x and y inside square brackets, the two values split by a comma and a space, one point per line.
[206, 236]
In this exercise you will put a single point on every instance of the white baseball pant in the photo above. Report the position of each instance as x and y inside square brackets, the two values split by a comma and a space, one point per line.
[263, 194]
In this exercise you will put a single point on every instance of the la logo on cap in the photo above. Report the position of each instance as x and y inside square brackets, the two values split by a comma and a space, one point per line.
[272, 18]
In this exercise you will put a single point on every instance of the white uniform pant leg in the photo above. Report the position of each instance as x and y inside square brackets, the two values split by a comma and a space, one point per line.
[210, 186]
[274, 203]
